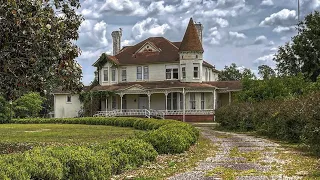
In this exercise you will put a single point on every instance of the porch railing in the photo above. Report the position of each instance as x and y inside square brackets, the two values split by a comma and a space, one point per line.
[152, 113]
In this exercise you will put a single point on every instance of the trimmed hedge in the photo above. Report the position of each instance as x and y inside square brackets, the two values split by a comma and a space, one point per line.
[293, 120]
[166, 136]
[99, 161]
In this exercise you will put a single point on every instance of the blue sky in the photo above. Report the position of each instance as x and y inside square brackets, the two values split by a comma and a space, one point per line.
[246, 32]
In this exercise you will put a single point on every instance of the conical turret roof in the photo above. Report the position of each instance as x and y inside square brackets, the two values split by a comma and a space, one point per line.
[191, 41]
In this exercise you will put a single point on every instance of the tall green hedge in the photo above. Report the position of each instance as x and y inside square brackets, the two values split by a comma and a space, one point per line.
[100, 161]
[293, 120]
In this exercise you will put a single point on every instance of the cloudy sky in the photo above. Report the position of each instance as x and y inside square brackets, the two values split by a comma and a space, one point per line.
[246, 32]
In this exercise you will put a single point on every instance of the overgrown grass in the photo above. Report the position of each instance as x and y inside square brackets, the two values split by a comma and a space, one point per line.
[20, 137]
[168, 165]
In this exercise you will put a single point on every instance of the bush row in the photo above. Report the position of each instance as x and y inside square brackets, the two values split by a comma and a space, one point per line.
[294, 120]
[87, 163]
[166, 136]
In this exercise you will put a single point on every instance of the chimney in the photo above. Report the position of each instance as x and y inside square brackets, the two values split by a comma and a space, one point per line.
[199, 29]
[116, 37]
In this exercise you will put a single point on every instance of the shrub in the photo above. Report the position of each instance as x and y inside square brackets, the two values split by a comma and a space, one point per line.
[28, 105]
[293, 120]
[81, 163]
[172, 138]
[127, 153]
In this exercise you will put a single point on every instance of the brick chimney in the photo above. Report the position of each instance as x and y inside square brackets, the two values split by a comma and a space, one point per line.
[116, 37]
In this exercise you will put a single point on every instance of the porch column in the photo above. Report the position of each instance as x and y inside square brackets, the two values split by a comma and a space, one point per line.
[184, 106]
[149, 100]
[121, 96]
[166, 94]
[214, 99]
[106, 105]
[229, 97]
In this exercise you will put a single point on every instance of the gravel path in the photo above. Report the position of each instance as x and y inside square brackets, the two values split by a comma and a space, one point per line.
[239, 157]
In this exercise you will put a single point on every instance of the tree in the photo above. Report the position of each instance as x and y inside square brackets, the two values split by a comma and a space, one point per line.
[28, 105]
[232, 73]
[37, 49]
[266, 72]
[4, 110]
[303, 53]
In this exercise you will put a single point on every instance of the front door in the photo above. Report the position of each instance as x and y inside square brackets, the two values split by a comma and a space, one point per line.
[143, 102]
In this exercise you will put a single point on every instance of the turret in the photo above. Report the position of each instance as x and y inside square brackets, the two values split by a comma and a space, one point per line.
[190, 53]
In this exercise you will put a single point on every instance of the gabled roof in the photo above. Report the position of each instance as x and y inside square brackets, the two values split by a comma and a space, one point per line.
[191, 41]
[168, 53]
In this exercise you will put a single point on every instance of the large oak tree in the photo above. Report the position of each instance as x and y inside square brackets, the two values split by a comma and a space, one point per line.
[37, 49]
[302, 55]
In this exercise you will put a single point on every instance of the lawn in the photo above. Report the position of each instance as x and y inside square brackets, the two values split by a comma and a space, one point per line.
[19, 137]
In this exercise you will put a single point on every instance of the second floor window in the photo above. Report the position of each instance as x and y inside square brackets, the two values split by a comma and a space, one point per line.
[183, 71]
[142, 72]
[196, 70]
[139, 72]
[124, 74]
[172, 73]
[113, 74]
[105, 75]
[145, 72]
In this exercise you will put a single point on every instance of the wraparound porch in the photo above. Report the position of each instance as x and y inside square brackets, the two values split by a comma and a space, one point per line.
[176, 103]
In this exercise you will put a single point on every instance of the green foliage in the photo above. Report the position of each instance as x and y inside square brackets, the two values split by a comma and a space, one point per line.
[99, 161]
[37, 46]
[127, 153]
[275, 88]
[266, 72]
[166, 134]
[4, 110]
[294, 120]
[28, 105]
[172, 138]
[81, 163]
[92, 100]
[232, 73]
[302, 54]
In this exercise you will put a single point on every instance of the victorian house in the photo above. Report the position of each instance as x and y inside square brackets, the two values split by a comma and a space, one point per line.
[157, 78]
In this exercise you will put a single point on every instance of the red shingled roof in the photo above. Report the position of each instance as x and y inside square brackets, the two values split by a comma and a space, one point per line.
[168, 53]
[191, 41]
[229, 85]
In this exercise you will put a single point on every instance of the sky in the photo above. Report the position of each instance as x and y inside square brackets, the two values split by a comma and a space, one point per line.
[245, 32]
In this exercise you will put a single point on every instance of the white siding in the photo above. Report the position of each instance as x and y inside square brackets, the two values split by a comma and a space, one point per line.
[64, 109]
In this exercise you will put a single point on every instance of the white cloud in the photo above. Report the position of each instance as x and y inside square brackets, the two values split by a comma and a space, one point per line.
[266, 60]
[237, 35]
[123, 7]
[222, 22]
[267, 3]
[260, 40]
[214, 36]
[283, 17]
[127, 42]
[149, 27]
[93, 34]
[281, 29]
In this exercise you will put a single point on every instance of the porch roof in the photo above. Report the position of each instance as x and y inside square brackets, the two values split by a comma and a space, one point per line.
[228, 85]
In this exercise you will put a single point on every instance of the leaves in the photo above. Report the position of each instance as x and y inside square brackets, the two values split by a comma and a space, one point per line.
[232, 73]
[37, 49]
[302, 55]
